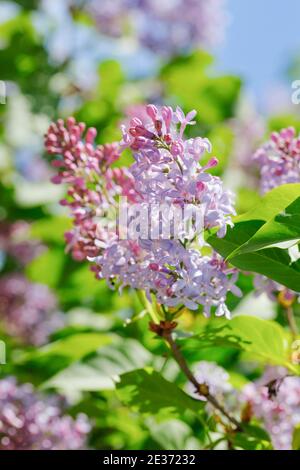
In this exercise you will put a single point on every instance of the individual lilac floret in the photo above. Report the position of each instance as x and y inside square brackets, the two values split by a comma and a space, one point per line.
[279, 160]
[275, 400]
[30, 421]
[28, 311]
[169, 27]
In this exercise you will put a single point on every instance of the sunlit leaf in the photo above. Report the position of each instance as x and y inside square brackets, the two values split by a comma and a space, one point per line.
[147, 392]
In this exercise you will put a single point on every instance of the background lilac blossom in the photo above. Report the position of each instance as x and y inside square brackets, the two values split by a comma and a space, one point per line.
[15, 242]
[279, 160]
[167, 28]
[275, 400]
[28, 311]
[279, 163]
[31, 421]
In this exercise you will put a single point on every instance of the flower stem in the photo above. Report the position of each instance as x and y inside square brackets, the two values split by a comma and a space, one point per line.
[148, 306]
[202, 389]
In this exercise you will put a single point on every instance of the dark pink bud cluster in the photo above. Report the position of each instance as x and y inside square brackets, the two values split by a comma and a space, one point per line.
[78, 157]
[166, 169]
[92, 184]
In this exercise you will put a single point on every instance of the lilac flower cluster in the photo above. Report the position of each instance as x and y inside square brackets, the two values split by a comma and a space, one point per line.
[167, 27]
[27, 311]
[29, 421]
[166, 169]
[275, 400]
[279, 160]
[175, 275]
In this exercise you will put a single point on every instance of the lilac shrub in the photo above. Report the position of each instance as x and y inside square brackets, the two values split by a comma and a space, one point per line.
[166, 169]
[31, 421]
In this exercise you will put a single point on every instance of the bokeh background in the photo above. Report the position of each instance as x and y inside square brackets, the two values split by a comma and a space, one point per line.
[65, 332]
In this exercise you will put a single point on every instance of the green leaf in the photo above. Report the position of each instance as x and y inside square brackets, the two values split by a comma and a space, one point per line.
[263, 340]
[251, 244]
[75, 346]
[279, 214]
[147, 392]
[100, 371]
[173, 435]
[246, 442]
[60, 354]
[274, 263]
[256, 431]
[273, 203]
[296, 438]
[255, 438]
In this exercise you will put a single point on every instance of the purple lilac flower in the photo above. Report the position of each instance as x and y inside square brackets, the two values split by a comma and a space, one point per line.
[279, 160]
[27, 311]
[168, 28]
[275, 400]
[166, 169]
[30, 421]
[273, 289]
[15, 242]
[176, 275]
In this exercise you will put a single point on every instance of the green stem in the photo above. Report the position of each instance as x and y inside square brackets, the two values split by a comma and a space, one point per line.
[148, 306]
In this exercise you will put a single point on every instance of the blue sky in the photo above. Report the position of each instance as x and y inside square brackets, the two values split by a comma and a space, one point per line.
[262, 37]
